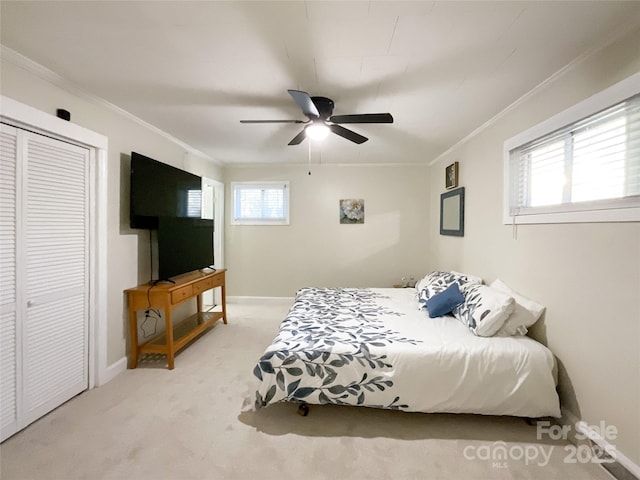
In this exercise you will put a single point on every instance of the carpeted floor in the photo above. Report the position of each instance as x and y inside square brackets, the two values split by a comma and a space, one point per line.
[151, 423]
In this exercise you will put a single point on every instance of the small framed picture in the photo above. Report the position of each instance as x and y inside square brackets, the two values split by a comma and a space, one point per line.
[451, 176]
[352, 210]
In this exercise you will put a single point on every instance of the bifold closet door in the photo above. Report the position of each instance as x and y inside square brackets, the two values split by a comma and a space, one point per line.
[52, 268]
[55, 331]
[8, 289]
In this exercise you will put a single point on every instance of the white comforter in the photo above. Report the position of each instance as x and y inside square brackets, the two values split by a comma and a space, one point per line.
[374, 347]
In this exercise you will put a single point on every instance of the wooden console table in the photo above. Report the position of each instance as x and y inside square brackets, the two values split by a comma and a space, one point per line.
[167, 296]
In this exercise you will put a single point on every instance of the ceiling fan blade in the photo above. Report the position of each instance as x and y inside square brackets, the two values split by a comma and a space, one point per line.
[272, 121]
[348, 134]
[363, 118]
[298, 138]
[305, 103]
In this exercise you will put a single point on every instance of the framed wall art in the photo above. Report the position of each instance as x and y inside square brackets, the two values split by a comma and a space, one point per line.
[451, 176]
[352, 210]
[452, 213]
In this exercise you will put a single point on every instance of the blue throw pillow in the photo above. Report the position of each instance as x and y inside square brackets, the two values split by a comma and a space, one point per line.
[445, 301]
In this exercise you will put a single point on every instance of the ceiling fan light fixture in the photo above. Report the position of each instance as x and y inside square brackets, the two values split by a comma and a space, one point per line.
[317, 131]
[321, 121]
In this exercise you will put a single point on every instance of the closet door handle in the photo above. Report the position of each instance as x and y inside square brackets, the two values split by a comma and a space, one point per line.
[30, 303]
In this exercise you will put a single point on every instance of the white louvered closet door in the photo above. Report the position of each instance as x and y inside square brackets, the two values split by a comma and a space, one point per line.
[8, 285]
[51, 322]
[55, 330]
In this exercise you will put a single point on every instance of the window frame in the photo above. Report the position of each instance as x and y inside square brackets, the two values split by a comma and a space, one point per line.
[284, 185]
[615, 210]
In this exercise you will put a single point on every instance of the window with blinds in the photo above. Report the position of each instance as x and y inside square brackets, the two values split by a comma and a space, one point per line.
[265, 203]
[194, 203]
[589, 165]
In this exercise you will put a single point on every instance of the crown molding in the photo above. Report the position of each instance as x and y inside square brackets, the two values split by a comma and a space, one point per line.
[19, 60]
[619, 33]
[325, 165]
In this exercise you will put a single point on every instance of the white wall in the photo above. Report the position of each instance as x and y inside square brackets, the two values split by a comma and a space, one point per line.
[127, 250]
[315, 249]
[588, 275]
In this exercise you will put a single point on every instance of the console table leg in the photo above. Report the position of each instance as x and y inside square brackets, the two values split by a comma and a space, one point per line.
[169, 332]
[133, 338]
[223, 294]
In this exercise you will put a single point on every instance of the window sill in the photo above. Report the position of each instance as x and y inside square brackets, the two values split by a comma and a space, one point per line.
[260, 222]
[630, 214]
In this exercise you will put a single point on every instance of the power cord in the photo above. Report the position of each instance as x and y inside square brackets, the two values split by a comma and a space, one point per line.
[150, 314]
[148, 328]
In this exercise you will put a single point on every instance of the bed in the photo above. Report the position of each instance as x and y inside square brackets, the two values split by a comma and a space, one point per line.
[376, 347]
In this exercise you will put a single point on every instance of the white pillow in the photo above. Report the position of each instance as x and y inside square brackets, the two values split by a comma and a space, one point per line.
[485, 310]
[526, 313]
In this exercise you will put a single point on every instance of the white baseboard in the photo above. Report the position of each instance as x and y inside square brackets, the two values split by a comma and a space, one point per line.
[580, 426]
[112, 371]
[258, 300]
[620, 457]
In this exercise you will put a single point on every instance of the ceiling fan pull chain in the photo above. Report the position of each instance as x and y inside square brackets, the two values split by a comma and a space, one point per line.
[309, 157]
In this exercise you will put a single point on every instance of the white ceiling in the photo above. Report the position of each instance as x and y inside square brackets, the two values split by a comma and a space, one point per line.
[195, 69]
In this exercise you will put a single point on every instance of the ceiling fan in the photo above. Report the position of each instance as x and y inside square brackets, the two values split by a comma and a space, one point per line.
[319, 111]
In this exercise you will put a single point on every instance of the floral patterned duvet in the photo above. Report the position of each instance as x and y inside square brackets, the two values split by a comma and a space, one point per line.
[375, 348]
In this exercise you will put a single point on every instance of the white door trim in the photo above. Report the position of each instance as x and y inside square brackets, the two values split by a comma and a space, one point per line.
[211, 297]
[218, 215]
[23, 116]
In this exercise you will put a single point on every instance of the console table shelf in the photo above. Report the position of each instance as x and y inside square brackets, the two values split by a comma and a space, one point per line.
[167, 296]
[183, 332]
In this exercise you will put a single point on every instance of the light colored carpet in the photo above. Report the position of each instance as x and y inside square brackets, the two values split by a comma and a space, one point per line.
[151, 423]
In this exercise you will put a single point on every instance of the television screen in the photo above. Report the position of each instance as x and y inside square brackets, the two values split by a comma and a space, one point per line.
[184, 245]
[160, 190]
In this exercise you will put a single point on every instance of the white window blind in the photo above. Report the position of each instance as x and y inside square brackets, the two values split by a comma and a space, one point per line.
[194, 203]
[591, 164]
[260, 203]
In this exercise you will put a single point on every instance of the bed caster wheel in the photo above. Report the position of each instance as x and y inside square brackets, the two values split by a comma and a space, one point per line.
[303, 410]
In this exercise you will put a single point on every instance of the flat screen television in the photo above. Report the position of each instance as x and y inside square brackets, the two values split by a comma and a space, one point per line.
[160, 190]
[184, 245]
